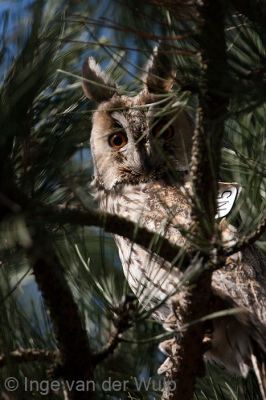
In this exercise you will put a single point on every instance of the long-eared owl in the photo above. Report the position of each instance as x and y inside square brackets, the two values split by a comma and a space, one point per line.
[141, 148]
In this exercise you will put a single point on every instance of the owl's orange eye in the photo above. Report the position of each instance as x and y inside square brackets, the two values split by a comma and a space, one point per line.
[117, 140]
[166, 134]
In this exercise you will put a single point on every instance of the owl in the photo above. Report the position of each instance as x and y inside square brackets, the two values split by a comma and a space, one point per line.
[141, 148]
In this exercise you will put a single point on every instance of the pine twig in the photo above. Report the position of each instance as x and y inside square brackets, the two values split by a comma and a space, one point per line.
[15, 287]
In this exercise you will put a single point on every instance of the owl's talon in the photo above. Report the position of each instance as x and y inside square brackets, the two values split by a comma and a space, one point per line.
[168, 364]
[166, 347]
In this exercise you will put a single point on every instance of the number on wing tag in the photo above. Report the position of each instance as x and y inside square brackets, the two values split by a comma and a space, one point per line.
[227, 194]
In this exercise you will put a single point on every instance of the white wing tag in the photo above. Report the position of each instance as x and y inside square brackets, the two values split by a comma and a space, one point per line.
[227, 194]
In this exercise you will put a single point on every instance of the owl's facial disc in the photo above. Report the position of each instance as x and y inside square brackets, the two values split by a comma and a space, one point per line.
[139, 148]
[132, 145]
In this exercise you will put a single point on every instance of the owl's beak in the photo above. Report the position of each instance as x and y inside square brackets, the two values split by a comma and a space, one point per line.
[143, 163]
[147, 169]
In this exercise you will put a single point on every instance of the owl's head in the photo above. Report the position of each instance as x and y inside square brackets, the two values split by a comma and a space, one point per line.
[141, 138]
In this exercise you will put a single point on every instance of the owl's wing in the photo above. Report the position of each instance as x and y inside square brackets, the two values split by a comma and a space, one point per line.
[152, 279]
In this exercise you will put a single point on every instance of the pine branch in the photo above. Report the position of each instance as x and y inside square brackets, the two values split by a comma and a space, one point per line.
[124, 310]
[112, 224]
[187, 349]
[246, 241]
[72, 340]
[28, 355]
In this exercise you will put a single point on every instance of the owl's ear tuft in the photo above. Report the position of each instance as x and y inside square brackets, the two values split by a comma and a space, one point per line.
[160, 71]
[96, 85]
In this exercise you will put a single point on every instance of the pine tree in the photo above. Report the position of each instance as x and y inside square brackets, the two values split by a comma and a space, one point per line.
[82, 324]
